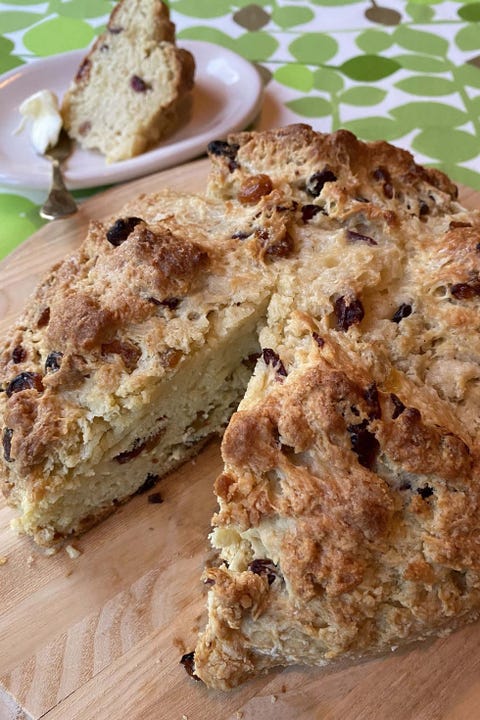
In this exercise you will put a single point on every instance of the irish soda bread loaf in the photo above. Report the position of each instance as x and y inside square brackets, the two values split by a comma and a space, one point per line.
[133, 87]
[349, 503]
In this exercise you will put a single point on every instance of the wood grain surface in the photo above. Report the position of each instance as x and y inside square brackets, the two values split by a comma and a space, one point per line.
[100, 637]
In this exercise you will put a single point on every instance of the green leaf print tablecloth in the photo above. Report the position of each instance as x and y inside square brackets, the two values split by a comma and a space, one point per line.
[406, 72]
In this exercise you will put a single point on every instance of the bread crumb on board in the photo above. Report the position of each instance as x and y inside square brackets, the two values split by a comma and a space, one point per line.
[72, 552]
[3, 559]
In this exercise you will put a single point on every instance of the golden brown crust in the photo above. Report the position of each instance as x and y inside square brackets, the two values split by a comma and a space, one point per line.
[368, 534]
[295, 153]
[121, 18]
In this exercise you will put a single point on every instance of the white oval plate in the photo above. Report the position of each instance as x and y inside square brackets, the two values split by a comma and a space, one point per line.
[226, 98]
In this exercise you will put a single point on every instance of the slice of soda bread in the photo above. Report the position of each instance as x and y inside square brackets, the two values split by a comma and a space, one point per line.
[133, 87]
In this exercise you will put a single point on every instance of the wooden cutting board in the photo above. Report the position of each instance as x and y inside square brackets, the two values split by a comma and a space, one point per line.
[100, 637]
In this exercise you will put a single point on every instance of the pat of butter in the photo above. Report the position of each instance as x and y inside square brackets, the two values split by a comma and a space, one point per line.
[42, 110]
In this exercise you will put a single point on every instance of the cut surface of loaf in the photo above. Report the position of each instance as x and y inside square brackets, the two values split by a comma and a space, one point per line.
[348, 506]
[133, 87]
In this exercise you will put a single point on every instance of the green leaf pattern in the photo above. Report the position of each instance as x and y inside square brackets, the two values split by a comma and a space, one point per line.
[407, 72]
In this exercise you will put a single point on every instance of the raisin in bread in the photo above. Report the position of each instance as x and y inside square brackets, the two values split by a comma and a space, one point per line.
[349, 502]
[133, 87]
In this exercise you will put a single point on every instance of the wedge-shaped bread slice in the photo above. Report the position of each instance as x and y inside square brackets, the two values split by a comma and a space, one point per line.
[348, 507]
[133, 87]
[130, 355]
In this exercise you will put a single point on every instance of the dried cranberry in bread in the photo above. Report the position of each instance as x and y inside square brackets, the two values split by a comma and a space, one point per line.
[133, 87]
[349, 505]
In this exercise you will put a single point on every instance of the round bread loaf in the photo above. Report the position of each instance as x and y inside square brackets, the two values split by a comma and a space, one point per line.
[348, 276]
